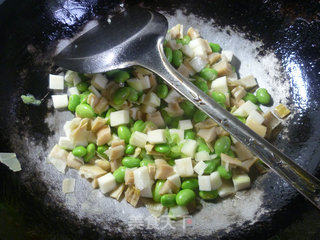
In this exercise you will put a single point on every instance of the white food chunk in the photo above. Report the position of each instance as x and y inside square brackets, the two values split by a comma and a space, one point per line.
[245, 109]
[73, 90]
[193, 33]
[177, 212]
[68, 185]
[200, 167]
[173, 96]
[220, 85]
[248, 82]
[56, 82]
[142, 181]
[138, 139]
[66, 143]
[60, 101]
[204, 183]
[99, 81]
[180, 133]
[226, 189]
[136, 84]
[208, 134]
[156, 136]
[215, 180]
[72, 77]
[254, 115]
[227, 54]
[240, 181]
[94, 91]
[189, 147]
[198, 63]
[185, 124]
[152, 100]
[145, 82]
[256, 127]
[174, 45]
[202, 156]
[147, 109]
[183, 167]
[185, 71]
[187, 50]
[118, 118]
[107, 183]
[11, 161]
[200, 42]
[175, 179]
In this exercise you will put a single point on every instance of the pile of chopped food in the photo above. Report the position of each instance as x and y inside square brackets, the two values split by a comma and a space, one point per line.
[134, 136]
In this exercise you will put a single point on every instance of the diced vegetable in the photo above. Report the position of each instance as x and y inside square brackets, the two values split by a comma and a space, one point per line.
[56, 82]
[138, 139]
[189, 147]
[183, 167]
[215, 180]
[200, 167]
[281, 111]
[156, 136]
[204, 183]
[118, 118]
[60, 101]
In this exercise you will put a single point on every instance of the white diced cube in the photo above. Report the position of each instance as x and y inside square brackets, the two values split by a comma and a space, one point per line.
[226, 189]
[227, 54]
[198, 63]
[147, 109]
[70, 75]
[94, 91]
[118, 118]
[73, 90]
[60, 101]
[175, 179]
[200, 167]
[183, 167]
[208, 134]
[68, 185]
[240, 181]
[189, 147]
[133, 113]
[66, 143]
[200, 51]
[245, 109]
[220, 85]
[215, 180]
[56, 82]
[59, 164]
[99, 81]
[204, 183]
[142, 178]
[136, 84]
[177, 131]
[254, 115]
[187, 50]
[185, 124]
[107, 183]
[152, 100]
[202, 156]
[156, 136]
[174, 45]
[173, 96]
[138, 139]
[145, 82]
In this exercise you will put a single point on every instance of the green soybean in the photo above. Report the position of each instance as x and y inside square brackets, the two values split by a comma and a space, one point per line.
[211, 166]
[166, 118]
[146, 162]
[175, 122]
[242, 119]
[119, 174]
[219, 97]
[184, 197]
[208, 195]
[171, 162]
[185, 40]
[91, 150]
[130, 162]
[191, 183]
[189, 134]
[215, 47]
[201, 84]
[84, 110]
[112, 72]
[222, 145]
[188, 108]
[177, 58]
[124, 133]
[175, 152]
[162, 91]
[168, 53]
[155, 191]
[84, 96]
[102, 149]
[130, 149]
[79, 151]
[263, 96]
[203, 147]
[121, 95]
[208, 74]
[224, 173]
[250, 97]
[133, 95]
[138, 126]
[82, 86]
[168, 200]
[74, 101]
[162, 148]
[199, 116]
[121, 76]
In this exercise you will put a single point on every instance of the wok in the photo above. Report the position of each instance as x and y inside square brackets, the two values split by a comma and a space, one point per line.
[278, 42]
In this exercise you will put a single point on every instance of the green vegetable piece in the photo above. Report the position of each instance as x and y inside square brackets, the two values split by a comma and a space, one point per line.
[189, 134]
[219, 97]
[79, 151]
[162, 148]
[175, 152]
[130, 149]
[119, 174]
[211, 166]
[112, 72]
[102, 149]
[91, 150]
[175, 122]
[166, 118]
[263, 96]
[185, 40]
[208, 195]
[201, 84]
[177, 58]
[82, 86]
[121, 76]
[134, 95]
[215, 47]
[168, 200]
[250, 97]
[130, 162]
[208, 74]
[224, 173]
[222, 145]
[185, 196]
[171, 162]
[84, 110]
[168, 53]
[162, 91]
[188, 108]
[203, 147]
[242, 119]
[124, 133]
[139, 126]
[121, 95]
[30, 99]
[191, 183]
[84, 97]
[199, 116]
[74, 101]
[155, 191]
[146, 162]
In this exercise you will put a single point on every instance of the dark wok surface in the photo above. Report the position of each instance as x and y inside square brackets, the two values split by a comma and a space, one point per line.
[29, 33]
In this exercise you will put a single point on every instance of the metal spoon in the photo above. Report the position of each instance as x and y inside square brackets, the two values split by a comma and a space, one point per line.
[135, 37]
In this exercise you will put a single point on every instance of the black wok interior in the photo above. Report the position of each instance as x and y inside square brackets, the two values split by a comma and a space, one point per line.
[30, 31]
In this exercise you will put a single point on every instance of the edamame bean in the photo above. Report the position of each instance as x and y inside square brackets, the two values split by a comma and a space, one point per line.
[208, 74]
[74, 101]
[146, 162]
[102, 149]
[211, 166]
[91, 150]
[84, 97]
[79, 151]
[121, 76]
[199, 116]
[134, 95]
[222, 145]
[162, 148]
[82, 86]
[155, 191]
[168, 200]
[138, 126]
[121, 95]
[250, 97]
[203, 147]
[84, 110]
[130, 162]
[119, 174]
[224, 173]
[162, 91]
[166, 118]
[263, 96]
[219, 97]
[215, 47]
[171, 162]
[175, 151]
[191, 183]
[185, 196]
[124, 133]
[201, 84]
[208, 195]
[185, 40]
[189, 134]
[130, 149]
[168, 53]
[112, 72]
[175, 122]
[187, 107]
[177, 58]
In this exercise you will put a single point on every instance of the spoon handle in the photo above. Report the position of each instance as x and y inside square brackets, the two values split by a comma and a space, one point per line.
[304, 182]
